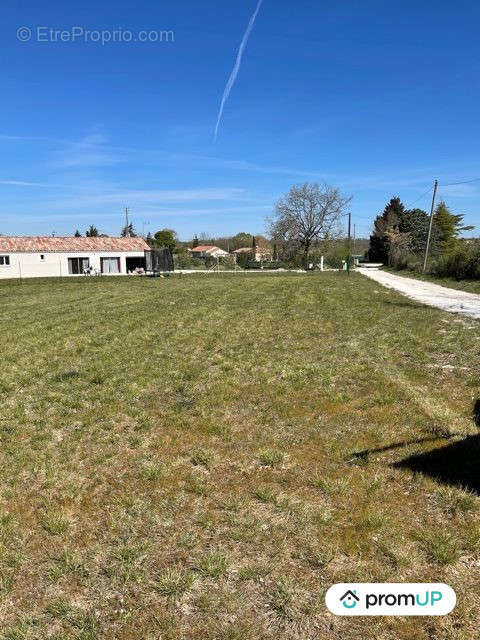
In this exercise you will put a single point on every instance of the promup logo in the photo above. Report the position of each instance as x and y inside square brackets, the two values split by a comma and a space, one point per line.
[350, 599]
[394, 599]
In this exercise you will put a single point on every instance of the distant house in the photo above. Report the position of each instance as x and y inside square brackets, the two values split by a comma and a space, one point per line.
[38, 257]
[208, 250]
[259, 254]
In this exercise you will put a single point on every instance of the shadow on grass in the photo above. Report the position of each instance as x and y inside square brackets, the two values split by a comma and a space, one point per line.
[476, 412]
[396, 445]
[455, 464]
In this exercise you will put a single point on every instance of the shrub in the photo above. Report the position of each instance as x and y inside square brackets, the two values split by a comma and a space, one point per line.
[228, 262]
[243, 259]
[274, 265]
[334, 262]
[463, 263]
[210, 262]
[267, 264]
[183, 261]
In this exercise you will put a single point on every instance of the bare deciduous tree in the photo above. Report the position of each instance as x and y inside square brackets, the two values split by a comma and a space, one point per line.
[306, 214]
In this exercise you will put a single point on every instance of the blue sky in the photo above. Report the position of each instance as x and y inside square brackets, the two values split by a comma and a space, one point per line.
[374, 97]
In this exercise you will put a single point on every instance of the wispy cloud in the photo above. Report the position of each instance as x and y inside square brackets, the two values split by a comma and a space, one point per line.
[237, 65]
[90, 151]
[152, 214]
[22, 183]
[14, 138]
[146, 196]
[459, 190]
[95, 148]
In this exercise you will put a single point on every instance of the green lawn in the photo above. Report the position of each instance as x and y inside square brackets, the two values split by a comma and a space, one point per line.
[202, 457]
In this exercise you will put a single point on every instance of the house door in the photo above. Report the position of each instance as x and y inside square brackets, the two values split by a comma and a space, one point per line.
[110, 265]
[77, 266]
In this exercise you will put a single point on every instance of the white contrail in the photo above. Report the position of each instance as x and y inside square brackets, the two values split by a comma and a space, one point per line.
[236, 68]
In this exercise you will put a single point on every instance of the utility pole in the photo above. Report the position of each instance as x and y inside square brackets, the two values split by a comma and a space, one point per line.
[144, 222]
[435, 187]
[354, 237]
[349, 241]
[127, 230]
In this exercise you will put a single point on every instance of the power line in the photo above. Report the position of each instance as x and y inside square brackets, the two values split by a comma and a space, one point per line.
[441, 184]
[436, 185]
[422, 196]
[451, 184]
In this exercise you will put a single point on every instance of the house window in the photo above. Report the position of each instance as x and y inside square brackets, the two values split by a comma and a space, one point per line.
[77, 266]
[110, 265]
[42, 257]
[4, 261]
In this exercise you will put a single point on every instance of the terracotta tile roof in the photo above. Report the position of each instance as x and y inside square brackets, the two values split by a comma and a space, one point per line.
[205, 248]
[259, 249]
[38, 244]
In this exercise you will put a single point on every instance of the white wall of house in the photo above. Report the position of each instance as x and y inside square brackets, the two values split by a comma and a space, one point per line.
[217, 253]
[33, 265]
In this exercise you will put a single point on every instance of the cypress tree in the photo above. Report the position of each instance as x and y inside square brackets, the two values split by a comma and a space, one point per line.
[92, 232]
[384, 224]
[448, 226]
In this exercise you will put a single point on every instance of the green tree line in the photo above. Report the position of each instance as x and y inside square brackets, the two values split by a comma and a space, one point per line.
[399, 240]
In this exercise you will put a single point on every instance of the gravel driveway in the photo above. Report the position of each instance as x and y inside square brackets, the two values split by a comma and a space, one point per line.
[428, 293]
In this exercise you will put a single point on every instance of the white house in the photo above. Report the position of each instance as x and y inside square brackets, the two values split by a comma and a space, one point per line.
[259, 254]
[39, 257]
[206, 250]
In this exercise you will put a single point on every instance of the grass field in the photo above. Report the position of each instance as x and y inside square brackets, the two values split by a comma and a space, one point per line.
[202, 457]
